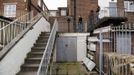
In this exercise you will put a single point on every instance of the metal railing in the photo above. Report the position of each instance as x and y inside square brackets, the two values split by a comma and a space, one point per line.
[45, 62]
[94, 18]
[10, 31]
[112, 12]
[3, 22]
[116, 40]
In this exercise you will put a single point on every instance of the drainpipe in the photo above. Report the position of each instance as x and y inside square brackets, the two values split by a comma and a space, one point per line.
[74, 22]
[29, 8]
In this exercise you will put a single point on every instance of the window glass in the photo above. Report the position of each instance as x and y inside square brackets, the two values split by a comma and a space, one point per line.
[129, 6]
[10, 10]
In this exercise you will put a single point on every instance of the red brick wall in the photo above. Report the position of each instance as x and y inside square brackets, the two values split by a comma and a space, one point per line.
[63, 24]
[129, 15]
[83, 8]
[21, 7]
[132, 37]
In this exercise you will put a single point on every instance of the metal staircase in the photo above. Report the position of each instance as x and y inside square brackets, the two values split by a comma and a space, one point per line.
[32, 62]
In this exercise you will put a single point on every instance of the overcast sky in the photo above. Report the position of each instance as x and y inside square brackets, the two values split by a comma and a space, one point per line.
[53, 4]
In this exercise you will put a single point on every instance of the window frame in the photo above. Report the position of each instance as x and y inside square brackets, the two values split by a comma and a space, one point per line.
[10, 9]
[128, 7]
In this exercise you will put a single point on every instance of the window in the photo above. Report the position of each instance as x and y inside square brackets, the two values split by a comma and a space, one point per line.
[63, 12]
[10, 10]
[129, 6]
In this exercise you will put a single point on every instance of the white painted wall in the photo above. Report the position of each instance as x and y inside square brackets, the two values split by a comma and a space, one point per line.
[81, 48]
[81, 44]
[11, 63]
[52, 13]
[105, 3]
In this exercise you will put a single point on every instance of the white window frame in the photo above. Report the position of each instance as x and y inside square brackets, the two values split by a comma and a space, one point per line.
[128, 7]
[10, 9]
[63, 12]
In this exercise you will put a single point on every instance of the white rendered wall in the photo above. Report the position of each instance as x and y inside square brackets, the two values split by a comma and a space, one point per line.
[105, 3]
[11, 63]
[81, 48]
[104, 7]
[81, 44]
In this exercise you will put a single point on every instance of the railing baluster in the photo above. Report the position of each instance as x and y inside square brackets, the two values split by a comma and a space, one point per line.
[8, 31]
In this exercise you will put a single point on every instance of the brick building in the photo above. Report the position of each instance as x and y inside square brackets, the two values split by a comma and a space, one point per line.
[82, 8]
[66, 15]
[16, 8]
[65, 25]
[129, 8]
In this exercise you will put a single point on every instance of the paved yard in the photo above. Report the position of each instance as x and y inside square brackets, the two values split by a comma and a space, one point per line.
[69, 69]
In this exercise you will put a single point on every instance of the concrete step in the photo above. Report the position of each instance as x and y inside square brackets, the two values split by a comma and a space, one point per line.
[33, 60]
[40, 44]
[42, 41]
[44, 34]
[29, 67]
[35, 54]
[27, 73]
[43, 37]
[38, 48]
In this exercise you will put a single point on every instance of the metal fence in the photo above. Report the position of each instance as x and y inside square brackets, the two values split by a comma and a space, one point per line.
[45, 62]
[112, 12]
[105, 12]
[9, 31]
[114, 49]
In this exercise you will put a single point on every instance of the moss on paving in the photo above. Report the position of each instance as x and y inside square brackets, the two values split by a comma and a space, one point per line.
[69, 69]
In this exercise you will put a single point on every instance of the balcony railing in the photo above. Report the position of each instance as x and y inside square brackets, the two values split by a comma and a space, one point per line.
[106, 16]
[112, 12]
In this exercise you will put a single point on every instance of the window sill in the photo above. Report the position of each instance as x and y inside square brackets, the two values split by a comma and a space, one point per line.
[129, 11]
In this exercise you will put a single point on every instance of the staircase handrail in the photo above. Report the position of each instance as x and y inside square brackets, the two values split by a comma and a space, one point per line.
[45, 62]
[14, 31]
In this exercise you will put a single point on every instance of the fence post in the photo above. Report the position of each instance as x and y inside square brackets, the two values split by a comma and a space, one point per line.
[101, 50]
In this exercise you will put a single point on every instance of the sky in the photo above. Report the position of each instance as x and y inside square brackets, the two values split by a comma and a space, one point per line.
[53, 4]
